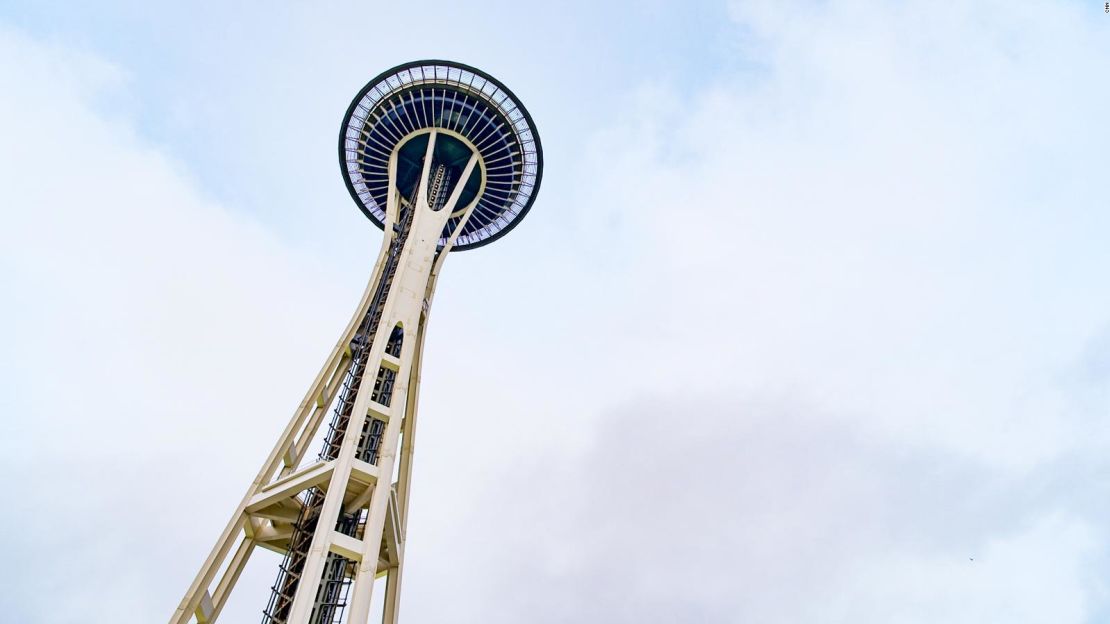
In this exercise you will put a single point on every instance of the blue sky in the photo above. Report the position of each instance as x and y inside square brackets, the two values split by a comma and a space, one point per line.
[808, 324]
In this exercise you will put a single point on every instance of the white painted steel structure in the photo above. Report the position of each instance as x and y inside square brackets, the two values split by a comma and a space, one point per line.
[436, 153]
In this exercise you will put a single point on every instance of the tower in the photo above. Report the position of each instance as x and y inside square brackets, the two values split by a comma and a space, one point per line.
[443, 158]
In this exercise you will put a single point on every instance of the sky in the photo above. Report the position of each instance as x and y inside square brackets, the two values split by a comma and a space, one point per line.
[809, 322]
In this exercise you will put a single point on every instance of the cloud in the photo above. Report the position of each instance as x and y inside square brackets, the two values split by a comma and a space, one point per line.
[767, 511]
[878, 246]
[885, 220]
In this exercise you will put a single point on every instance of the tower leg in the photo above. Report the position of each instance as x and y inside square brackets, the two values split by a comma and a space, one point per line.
[392, 595]
[305, 598]
[367, 569]
[230, 577]
[196, 592]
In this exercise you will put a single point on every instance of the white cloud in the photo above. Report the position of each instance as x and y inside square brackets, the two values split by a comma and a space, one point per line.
[899, 212]
[894, 225]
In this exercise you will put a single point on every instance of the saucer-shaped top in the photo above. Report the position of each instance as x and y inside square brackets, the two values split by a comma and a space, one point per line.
[391, 111]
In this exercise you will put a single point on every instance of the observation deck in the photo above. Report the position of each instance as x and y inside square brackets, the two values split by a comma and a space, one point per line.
[394, 115]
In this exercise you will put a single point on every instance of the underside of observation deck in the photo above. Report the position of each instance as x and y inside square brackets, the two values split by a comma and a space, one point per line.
[457, 99]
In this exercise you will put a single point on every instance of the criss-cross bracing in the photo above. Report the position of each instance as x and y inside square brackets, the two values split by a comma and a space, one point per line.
[435, 153]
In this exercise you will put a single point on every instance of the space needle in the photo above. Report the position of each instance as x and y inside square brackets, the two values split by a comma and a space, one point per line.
[442, 157]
